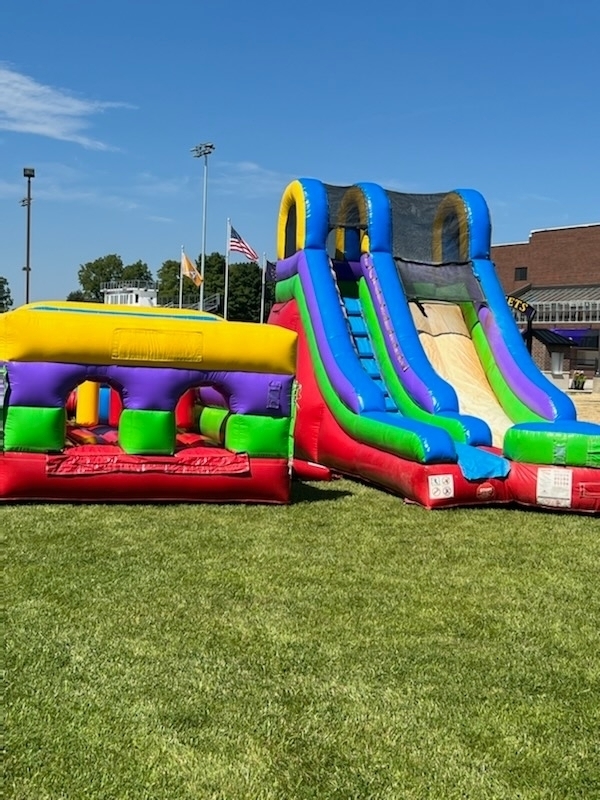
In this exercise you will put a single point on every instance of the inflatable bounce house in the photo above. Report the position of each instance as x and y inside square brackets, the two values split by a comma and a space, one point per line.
[391, 352]
[412, 372]
[120, 403]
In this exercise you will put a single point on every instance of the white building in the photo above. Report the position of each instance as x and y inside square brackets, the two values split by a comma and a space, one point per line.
[130, 293]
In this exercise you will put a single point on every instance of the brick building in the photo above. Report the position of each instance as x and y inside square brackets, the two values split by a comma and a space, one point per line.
[558, 273]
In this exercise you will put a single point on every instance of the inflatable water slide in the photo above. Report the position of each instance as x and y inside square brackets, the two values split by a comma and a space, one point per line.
[412, 372]
[155, 440]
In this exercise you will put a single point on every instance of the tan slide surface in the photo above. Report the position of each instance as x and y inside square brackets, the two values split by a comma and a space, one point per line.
[451, 352]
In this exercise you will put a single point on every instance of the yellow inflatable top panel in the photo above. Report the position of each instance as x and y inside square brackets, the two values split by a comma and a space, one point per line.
[93, 333]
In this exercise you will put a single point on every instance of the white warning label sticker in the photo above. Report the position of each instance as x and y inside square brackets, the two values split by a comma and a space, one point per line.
[554, 487]
[441, 487]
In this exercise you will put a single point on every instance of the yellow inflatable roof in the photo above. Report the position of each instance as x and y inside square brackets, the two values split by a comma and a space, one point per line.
[93, 333]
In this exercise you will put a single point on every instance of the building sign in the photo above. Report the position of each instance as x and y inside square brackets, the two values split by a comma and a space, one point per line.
[521, 305]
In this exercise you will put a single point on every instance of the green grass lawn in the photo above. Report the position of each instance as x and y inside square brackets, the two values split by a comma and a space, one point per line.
[347, 646]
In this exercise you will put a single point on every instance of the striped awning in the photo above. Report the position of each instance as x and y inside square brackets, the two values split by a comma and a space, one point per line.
[562, 294]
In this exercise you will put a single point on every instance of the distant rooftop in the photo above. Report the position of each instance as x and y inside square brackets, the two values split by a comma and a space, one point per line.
[548, 230]
[562, 294]
[567, 227]
[549, 337]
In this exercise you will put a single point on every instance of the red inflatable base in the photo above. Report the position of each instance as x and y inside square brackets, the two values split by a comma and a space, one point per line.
[321, 440]
[103, 473]
[309, 471]
[555, 488]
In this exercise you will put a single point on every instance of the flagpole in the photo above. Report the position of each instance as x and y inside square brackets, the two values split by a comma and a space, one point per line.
[263, 287]
[181, 278]
[226, 300]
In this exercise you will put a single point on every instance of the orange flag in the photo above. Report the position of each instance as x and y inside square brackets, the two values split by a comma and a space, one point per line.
[189, 270]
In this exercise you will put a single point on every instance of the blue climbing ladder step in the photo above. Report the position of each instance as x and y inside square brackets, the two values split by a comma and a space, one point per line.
[364, 348]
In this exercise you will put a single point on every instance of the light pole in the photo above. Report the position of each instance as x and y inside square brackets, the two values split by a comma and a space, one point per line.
[28, 173]
[199, 151]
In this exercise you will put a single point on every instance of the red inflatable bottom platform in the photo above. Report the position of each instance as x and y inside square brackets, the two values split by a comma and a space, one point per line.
[104, 473]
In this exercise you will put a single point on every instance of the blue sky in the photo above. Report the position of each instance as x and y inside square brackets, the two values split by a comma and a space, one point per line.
[105, 100]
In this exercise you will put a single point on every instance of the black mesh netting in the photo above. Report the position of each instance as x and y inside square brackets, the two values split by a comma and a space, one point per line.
[413, 217]
[452, 283]
[334, 197]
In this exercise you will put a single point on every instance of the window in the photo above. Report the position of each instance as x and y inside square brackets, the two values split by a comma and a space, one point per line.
[520, 273]
[557, 360]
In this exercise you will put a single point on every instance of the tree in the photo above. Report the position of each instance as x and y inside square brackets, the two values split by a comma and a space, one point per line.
[137, 272]
[244, 292]
[214, 282]
[168, 286]
[244, 284]
[6, 300]
[214, 279]
[168, 277]
[94, 273]
[103, 270]
[244, 287]
[77, 297]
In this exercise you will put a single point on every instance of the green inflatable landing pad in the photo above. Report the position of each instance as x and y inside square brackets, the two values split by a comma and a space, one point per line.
[562, 443]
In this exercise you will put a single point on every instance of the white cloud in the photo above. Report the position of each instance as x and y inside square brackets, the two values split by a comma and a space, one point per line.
[538, 198]
[247, 179]
[59, 183]
[27, 106]
[148, 184]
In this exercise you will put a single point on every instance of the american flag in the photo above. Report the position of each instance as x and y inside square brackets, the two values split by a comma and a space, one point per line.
[239, 245]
